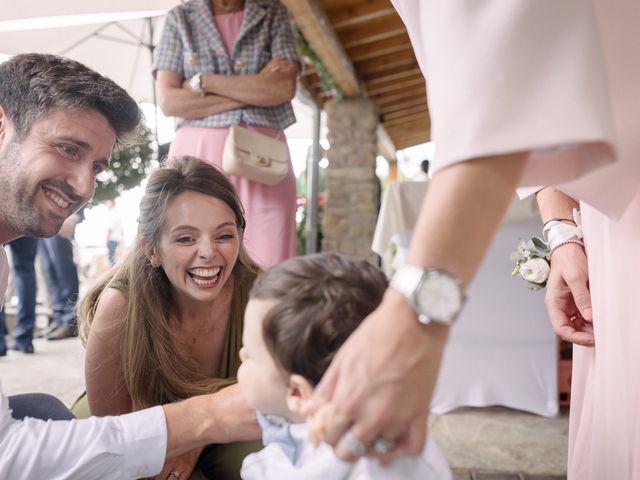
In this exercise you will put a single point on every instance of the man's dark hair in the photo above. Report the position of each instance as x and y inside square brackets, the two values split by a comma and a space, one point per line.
[320, 300]
[33, 84]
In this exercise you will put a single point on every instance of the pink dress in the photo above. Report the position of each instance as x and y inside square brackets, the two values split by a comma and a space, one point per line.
[561, 80]
[270, 236]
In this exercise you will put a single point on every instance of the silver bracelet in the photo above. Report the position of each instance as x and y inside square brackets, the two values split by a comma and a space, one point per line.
[565, 242]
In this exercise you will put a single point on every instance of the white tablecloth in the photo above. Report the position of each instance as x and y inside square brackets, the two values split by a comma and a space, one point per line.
[502, 350]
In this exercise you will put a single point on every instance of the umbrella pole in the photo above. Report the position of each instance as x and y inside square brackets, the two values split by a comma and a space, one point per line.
[151, 47]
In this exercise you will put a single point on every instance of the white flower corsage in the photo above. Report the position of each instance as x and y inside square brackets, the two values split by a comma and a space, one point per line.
[532, 262]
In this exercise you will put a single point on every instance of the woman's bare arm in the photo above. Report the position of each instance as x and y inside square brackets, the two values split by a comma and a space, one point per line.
[176, 101]
[106, 389]
[275, 84]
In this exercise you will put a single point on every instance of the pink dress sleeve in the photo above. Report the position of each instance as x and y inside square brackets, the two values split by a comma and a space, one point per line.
[505, 77]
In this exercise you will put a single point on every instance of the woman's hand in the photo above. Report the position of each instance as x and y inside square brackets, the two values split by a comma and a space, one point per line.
[568, 299]
[382, 392]
[180, 467]
[278, 64]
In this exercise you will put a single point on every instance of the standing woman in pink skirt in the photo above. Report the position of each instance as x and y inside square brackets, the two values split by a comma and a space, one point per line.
[234, 62]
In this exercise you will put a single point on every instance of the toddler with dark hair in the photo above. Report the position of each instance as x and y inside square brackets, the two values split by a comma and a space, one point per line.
[299, 314]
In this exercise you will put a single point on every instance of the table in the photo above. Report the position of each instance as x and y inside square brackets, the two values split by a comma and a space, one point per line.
[502, 350]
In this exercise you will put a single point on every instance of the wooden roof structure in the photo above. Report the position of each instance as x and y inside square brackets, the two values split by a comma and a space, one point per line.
[365, 47]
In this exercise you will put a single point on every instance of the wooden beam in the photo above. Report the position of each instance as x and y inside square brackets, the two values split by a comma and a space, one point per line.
[417, 129]
[394, 107]
[407, 120]
[422, 130]
[413, 142]
[316, 28]
[377, 29]
[409, 141]
[404, 72]
[395, 85]
[343, 16]
[402, 141]
[391, 61]
[418, 91]
[394, 44]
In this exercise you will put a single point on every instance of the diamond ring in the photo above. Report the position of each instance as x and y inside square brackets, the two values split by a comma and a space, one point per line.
[354, 445]
[382, 446]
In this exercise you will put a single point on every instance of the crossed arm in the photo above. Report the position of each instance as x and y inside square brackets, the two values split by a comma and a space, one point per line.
[273, 85]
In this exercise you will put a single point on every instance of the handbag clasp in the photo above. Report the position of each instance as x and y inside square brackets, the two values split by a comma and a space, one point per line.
[262, 161]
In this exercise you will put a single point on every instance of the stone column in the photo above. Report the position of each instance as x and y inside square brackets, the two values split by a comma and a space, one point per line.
[353, 190]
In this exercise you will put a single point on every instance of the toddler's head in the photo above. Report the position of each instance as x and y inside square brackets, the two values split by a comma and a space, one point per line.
[299, 314]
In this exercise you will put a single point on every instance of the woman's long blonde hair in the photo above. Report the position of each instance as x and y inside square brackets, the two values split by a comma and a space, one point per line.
[155, 369]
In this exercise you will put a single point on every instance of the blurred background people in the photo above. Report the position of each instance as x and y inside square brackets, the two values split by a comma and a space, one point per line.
[61, 274]
[23, 255]
[115, 232]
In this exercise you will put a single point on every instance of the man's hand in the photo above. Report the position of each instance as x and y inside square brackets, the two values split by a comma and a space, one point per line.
[382, 392]
[220, 417]
[180, 467]
[568, 299]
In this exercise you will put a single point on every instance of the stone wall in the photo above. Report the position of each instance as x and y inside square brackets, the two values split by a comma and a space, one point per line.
[353, 190]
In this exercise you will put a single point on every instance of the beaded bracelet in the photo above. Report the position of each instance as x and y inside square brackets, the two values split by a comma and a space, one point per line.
[565, 242]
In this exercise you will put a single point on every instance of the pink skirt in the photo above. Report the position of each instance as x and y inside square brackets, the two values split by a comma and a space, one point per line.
[270, 236]
[604, 425]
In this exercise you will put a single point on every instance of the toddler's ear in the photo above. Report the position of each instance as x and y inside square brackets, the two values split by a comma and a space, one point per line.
[298, 393]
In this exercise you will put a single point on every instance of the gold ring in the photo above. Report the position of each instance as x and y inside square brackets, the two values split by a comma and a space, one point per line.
[174, 474]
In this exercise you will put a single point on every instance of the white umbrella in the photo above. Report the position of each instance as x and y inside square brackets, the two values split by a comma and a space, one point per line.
[38, 8]
[116, 44]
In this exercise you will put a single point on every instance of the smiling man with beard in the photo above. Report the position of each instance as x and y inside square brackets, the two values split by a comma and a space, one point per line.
[59, 123]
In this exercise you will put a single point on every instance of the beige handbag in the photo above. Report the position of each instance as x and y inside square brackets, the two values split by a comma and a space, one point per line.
[255, 156]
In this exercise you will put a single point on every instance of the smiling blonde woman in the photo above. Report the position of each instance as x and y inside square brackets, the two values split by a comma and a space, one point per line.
[166, 324]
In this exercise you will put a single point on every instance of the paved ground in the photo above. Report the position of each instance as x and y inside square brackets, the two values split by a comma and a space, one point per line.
[480, 443]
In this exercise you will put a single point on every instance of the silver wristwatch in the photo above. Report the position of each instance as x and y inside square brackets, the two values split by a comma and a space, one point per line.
[435, 295]
[195, 83]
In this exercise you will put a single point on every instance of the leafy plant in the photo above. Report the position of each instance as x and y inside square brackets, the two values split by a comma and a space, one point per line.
[127, 169]
[328, 82]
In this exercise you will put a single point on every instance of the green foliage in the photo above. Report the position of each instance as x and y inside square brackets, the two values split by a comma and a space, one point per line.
[301, 181]
[127, 169]
[301, 230]
[328, 82]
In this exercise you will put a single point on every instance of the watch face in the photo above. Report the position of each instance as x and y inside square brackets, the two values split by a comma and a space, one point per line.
[196, 83]
[439, 297]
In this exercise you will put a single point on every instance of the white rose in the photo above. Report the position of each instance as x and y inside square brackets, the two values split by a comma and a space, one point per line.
[535, 270]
